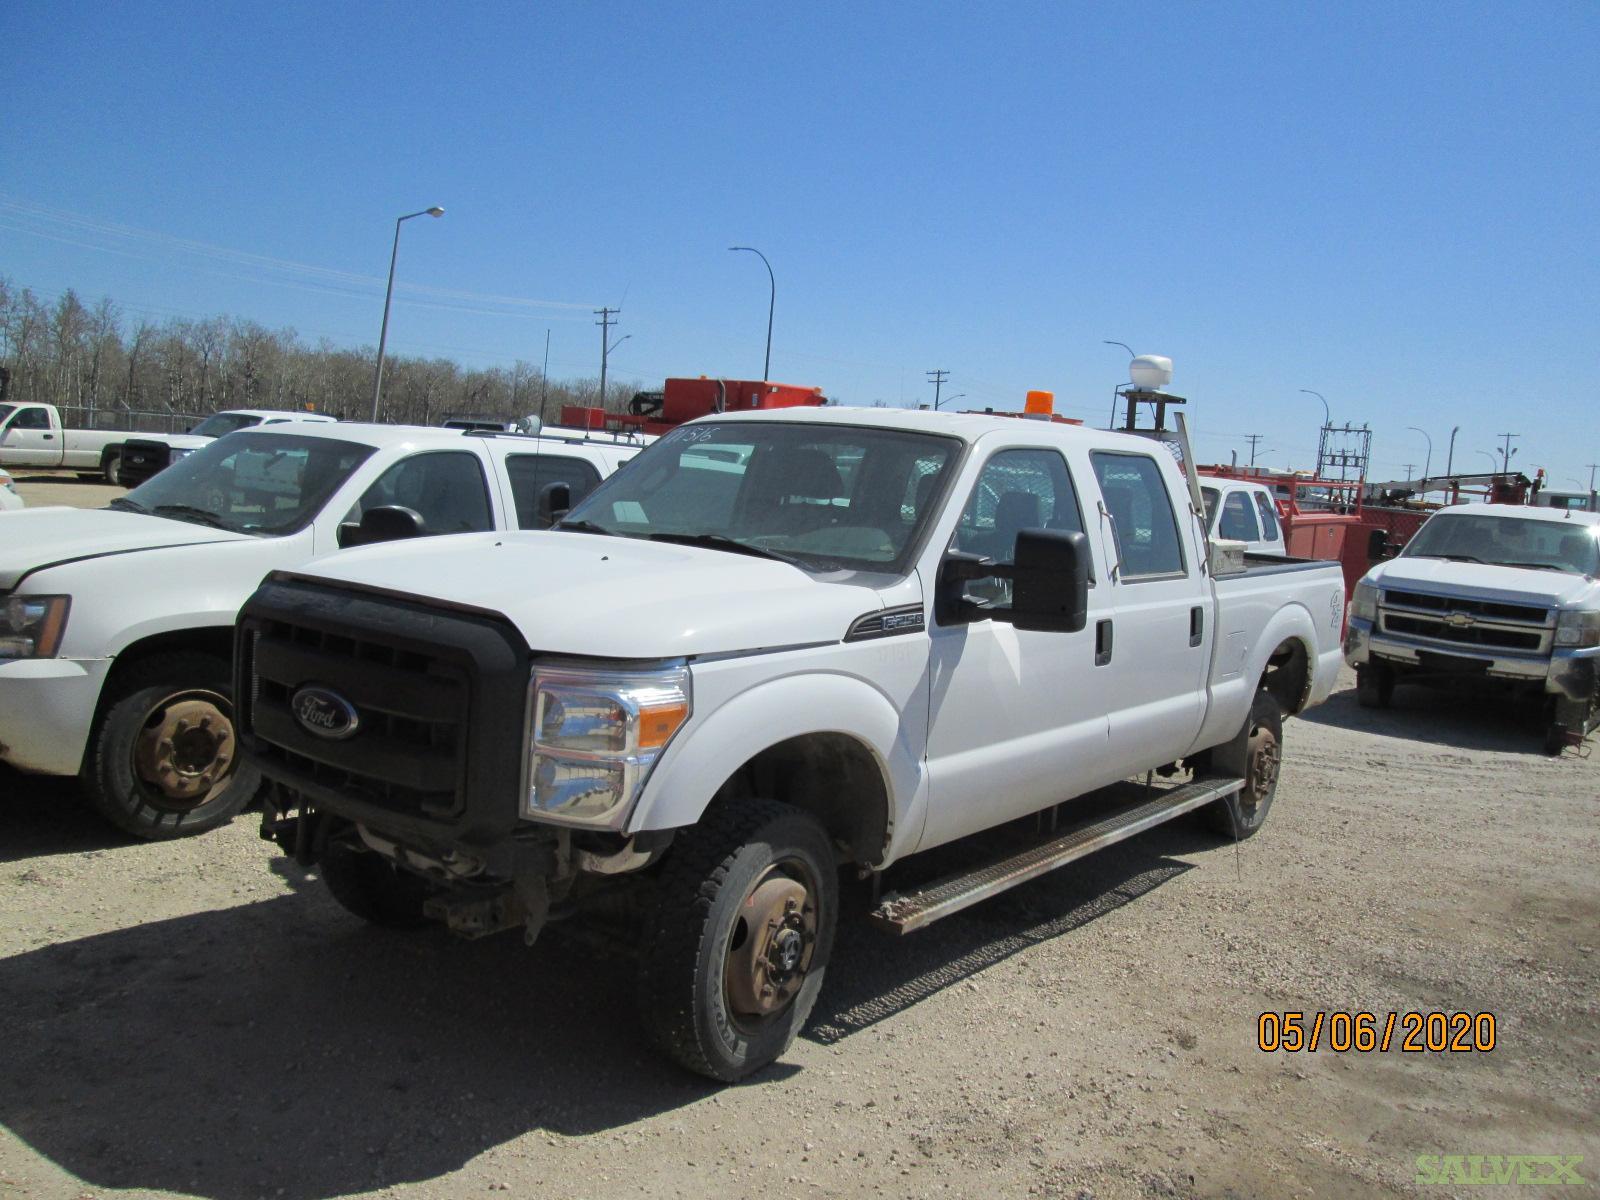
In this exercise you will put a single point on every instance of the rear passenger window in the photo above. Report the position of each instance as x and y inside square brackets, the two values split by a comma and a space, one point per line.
[531, 473]
[1239, 519]
[1269, 517]
[1144, 525]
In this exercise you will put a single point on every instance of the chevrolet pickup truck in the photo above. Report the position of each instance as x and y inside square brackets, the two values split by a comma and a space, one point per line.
[144, 456]
[777, 646]
[1497, 595]
[116, 624]
[32, 435]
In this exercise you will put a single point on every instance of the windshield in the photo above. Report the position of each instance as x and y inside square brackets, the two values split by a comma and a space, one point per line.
[218, 424]
[1509, 542]
[259, 483]
[823, 496]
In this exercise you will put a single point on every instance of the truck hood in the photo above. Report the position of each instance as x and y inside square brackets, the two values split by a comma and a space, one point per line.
[613, 597]
[35, 538]
[178, 441]
[1484, 581]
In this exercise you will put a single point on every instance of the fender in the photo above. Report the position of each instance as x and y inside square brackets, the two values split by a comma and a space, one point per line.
[1230, 701]
[747, 722]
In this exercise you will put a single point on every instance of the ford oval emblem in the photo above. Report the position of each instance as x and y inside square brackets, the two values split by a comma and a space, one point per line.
[325, 713]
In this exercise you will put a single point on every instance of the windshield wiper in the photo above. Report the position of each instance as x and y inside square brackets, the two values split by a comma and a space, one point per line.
[1536, 566]
[583, 527]
[188, 512]
[717, 541]
[1450, 557]
[123, 504]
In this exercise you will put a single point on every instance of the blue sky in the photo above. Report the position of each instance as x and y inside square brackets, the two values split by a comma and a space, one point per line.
[1394, 204]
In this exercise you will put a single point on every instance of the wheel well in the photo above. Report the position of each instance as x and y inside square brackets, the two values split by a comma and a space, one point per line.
[107, 453]
[211, 639]
[1288, 675]
[832, 776]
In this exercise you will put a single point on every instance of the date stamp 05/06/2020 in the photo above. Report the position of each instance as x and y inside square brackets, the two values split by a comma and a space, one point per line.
[1368, 1032]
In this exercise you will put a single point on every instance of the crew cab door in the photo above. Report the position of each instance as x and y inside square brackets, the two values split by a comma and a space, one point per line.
[32, 437]
[1017, 717]
[1160, 636]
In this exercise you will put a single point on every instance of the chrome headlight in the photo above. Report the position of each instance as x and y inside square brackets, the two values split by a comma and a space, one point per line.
[595, 736]
[31, 626]
[1578, 629]
[1364, 602]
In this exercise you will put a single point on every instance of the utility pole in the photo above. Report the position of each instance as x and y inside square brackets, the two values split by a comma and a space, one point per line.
[1592, 467]
[1410, 467]
[1252, 438]
[605, 322]
[1506, 452]
[937, 378]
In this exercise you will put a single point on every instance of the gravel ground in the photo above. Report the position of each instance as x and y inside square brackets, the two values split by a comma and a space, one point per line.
[200, 1019]
[41, 488]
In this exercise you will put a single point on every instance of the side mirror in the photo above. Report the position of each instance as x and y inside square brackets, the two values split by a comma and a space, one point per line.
[553, 503]
[386, 523]
[957, 569]
[1050, 581]
[1378, 545]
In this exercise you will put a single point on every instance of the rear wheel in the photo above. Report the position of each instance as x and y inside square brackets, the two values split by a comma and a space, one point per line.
[111, 469]
[735, 948]
[1374, 685]
[163, 758]
[1258, 756]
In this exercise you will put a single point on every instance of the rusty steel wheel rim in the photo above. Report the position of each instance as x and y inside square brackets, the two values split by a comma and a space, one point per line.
[1264, 758]
[771, 944]
[184, 754]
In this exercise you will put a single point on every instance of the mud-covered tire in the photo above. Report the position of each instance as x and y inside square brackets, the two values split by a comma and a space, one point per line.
[695, 930]
[110, 778]
[1374, 686]
[371, 887]
[1256, 754]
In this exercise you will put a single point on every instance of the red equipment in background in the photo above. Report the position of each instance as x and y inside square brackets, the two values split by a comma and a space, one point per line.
[682, 400]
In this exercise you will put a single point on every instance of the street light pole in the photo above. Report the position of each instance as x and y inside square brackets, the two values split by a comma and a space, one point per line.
[1450, 461]
[1327, 416]
[1428, 464]
[388, 296]
[948, 399]
[1494, 468]
[772, 303]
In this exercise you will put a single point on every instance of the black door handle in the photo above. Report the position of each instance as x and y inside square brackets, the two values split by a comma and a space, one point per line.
[1197, 625]
[1102, 642]
[48, 436]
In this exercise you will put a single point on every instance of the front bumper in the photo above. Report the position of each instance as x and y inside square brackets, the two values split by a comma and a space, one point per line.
[1569, 674]
[47, 708]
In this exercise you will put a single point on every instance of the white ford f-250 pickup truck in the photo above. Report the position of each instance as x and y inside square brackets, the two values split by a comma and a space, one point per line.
[1487, 594]
[116, 625]
[776, 645]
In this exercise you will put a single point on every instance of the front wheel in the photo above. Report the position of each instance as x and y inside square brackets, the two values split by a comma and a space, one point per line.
[163, 758]
[735, 947]
[1258, 756]
[111, 469]
[1374, 685]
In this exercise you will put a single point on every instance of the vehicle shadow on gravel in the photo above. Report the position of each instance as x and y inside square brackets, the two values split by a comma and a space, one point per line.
[282, 1048]
[876, 974]
[40, 816]
[1439, 718]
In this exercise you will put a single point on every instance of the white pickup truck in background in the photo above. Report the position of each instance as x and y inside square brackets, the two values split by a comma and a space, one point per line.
[1485, 595]
[116, 624]
[1240, 511]
[32, 435]
[144, 456]
[778, 644]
